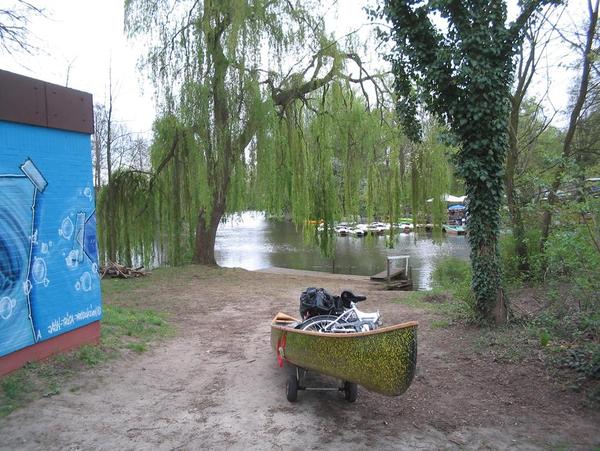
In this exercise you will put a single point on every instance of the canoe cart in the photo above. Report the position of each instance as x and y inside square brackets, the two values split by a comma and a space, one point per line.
[382, 360]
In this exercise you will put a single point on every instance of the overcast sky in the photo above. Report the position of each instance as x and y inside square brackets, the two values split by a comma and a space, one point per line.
[79, 40]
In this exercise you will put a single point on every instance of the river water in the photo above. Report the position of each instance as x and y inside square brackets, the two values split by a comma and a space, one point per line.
[252, 242]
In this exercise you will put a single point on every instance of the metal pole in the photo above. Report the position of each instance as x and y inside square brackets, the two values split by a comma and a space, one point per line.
[388, 269]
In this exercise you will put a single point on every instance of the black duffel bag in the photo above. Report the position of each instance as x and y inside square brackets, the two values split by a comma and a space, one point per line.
[317, 301]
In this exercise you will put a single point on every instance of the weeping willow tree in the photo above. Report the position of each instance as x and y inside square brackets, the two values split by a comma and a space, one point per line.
[225, 107]
[241, 128]
[205, 61]
[430, 175]
[124, 219]
[332, 157]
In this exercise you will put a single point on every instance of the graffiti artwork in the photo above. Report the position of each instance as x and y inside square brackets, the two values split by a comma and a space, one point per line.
[48, 254]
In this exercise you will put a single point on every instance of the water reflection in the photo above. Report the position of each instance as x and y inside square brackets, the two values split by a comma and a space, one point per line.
[252, 242]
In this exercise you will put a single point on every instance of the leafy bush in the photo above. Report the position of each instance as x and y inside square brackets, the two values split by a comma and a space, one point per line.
[510, 260]
[571, 336]
[454, 275]
[451, 272]
[572, 258]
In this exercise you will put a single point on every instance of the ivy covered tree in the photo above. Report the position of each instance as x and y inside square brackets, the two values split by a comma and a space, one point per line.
[462, 73]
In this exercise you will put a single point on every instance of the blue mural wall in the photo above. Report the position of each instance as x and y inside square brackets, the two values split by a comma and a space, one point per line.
[49, 280]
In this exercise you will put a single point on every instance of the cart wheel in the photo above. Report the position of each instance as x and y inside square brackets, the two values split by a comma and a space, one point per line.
[291, 388]
[350, 391]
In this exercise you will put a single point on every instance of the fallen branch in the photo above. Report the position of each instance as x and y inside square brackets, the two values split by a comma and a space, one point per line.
[115, 270]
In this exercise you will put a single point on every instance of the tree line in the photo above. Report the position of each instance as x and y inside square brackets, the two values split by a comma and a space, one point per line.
[261, 107]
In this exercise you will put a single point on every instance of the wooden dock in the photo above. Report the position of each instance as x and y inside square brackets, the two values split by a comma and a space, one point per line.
[384, 276]
[395, 278]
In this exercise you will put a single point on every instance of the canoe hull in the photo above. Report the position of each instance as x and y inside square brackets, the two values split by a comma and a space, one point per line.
[383, 361]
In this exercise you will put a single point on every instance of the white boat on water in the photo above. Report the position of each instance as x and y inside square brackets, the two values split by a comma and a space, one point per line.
[404, 227]
[342, 229]
[378, 228]
[357, 231]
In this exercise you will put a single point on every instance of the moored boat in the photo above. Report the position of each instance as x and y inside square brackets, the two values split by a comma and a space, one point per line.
[342, 229]
[356, 231]
[382, 360]
[404, 227]
[454, 229]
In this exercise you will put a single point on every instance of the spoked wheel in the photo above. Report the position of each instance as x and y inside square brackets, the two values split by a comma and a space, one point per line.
[323, 323]
[318, 323]
[291, 388]
[350, 391]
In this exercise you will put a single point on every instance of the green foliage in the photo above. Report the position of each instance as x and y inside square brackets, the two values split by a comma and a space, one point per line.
[138, 347]
[450, 272]
[179, 189]
[544, 337]
[584, 360]
[463, 76]
[13, 391]
[571, 258]
[238, 130]
[430, 174]
[13, 385]
[125, 219]
[570, 337]
[454, 275]
[217, 113]
[506, 345]
[567, 327]
[510, 259]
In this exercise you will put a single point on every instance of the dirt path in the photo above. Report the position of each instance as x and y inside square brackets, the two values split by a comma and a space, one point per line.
[217, 385]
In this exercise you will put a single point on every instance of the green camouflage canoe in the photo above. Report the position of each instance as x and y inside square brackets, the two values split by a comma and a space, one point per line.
[383, 360]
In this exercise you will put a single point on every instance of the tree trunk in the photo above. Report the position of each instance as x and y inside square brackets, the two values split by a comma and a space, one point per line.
[97, 162]
[484, 220]
[206, 233]
[588, 57]
[112, 220]
[487, 282]
[514, 207]
[111, 243]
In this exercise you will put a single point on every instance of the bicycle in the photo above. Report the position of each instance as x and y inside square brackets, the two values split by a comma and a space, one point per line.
[351, 319]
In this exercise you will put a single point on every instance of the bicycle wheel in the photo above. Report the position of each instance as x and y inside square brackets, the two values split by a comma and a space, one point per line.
[317, 323]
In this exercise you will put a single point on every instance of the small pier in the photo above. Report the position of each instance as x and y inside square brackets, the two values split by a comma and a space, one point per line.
[395, 278]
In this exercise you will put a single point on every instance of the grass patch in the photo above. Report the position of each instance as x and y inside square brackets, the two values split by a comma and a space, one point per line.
[125, 322]
[505, 345]
[91, 355]
[441, 324]
[122, 329]
[13, 393]
[138, 347]
[439, 301]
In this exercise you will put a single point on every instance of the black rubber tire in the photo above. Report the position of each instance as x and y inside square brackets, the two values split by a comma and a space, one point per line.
[350, 391]
[291, 388]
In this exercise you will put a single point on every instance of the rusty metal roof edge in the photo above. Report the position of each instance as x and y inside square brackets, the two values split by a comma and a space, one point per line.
[60, 108]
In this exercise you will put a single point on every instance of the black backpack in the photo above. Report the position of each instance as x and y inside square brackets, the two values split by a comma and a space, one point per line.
[317, 301]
